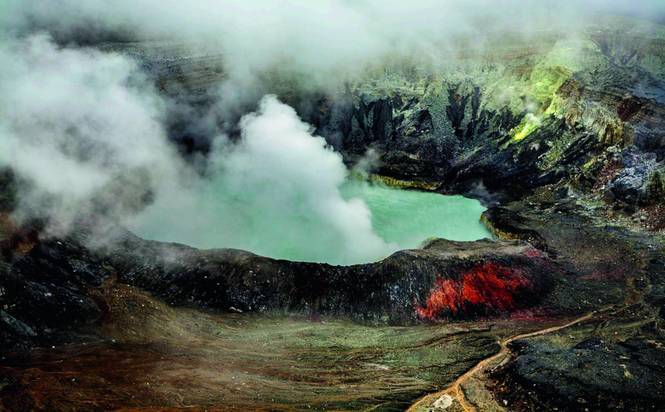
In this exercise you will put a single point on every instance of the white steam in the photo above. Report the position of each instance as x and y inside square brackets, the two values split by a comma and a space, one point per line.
[82, 128]
[75, 122]
[276, 193]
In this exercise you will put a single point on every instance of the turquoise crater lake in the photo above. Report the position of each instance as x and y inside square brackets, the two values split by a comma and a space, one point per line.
[218, 217]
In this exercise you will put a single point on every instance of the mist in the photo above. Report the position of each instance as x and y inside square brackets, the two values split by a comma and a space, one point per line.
[79, 126]
[276, 193]
[321, 43]
[85, 129]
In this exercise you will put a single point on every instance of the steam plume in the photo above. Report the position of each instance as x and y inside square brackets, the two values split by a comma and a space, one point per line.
[276, 193]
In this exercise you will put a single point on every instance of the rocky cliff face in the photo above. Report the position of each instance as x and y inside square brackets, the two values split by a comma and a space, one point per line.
[519, 123]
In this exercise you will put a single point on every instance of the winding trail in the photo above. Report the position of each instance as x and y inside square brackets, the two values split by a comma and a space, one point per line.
[455, 391]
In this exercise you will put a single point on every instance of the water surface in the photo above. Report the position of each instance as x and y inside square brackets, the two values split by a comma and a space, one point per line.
[221, 216]
[408, 217]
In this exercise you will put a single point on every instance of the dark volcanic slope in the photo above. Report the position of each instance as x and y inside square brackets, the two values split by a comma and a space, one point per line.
[50, 287]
